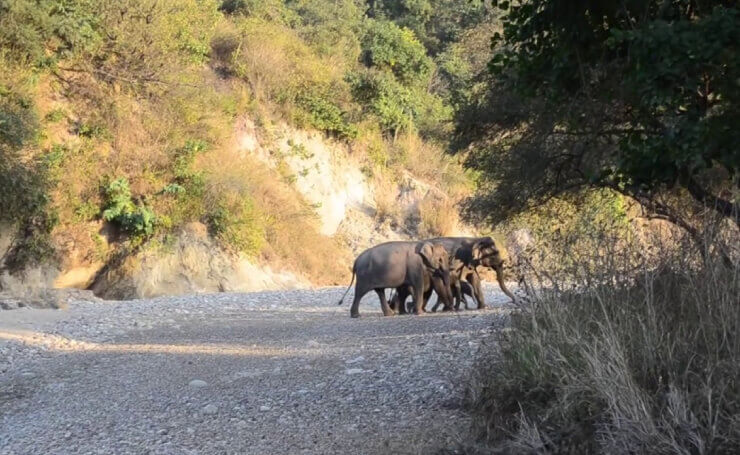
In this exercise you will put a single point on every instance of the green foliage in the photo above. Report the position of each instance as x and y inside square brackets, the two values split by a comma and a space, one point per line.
[18, 121]
[42, 31]
[186, 177]
[640, 96]
[327, 116]
[332, 28]
[387, 99]
[87, 211]
[436, 23]
[271, 10]
[137, 220]
[389, 47]
[25, 184]
[399, 108]
[237, 225]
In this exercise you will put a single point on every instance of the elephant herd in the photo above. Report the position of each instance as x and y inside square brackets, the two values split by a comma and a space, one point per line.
[446, 265]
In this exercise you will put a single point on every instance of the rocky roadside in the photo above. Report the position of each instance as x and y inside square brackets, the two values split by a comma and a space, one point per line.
[258, 373]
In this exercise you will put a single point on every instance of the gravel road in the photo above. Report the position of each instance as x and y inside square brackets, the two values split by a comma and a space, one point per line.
[261, 373]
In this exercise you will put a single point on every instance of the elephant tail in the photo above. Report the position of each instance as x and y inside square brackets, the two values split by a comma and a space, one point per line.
[348, 288]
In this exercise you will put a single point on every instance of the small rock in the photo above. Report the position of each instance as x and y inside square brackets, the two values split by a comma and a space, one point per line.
[162, 432]
[210, 409]
[352, 371]
[264, 408]
[355, 360]
[197, 383]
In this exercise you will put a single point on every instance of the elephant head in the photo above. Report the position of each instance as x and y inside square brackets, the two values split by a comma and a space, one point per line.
[486, 254]
[436, 259]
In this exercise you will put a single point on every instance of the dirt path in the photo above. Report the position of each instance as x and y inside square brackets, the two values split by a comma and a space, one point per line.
[261, 373]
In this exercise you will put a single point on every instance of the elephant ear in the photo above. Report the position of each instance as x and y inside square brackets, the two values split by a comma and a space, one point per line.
[426, 251]
[480, 244]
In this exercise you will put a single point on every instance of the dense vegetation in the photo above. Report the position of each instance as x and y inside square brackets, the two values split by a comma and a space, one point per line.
[119, 113]
[627, 339]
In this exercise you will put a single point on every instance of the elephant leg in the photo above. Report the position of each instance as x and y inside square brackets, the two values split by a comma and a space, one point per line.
[474, 281]
[427, 296]
[458, 295]
[393, 302]
[402, 294]
[360, 291]
[387, 311]
[418, 298]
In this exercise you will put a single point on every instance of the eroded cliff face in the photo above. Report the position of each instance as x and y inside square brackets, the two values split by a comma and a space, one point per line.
[324, 172]
[194, 263]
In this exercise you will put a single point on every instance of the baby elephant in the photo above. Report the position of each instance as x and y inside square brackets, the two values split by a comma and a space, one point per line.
[466, 290]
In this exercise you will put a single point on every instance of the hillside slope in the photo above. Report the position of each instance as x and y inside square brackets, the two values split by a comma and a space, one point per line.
[157, 147]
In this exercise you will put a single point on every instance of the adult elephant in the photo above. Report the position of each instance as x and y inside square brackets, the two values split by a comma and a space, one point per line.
[395, 265]
[473, 252]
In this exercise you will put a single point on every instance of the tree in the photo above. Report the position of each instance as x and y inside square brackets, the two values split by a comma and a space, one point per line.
[640, 97]
[389, 47]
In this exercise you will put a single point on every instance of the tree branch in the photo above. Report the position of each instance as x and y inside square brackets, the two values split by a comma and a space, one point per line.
[721, 206]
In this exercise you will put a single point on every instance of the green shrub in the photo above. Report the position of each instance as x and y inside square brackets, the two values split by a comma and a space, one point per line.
[384, 97]
[237, 225]
[326, 116]
[389, 47]
[137, 220]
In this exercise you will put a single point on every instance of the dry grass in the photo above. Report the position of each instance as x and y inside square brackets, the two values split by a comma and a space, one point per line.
[289, 225]
[430, 163]
[386, 200]
[620, 354]
[437, 216]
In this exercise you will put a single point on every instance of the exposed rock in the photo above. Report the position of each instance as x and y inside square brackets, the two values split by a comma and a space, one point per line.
[194, 264]
[198, 383]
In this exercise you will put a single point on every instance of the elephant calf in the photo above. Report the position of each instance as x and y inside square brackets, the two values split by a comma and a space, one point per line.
[397, 265]
[432, 282]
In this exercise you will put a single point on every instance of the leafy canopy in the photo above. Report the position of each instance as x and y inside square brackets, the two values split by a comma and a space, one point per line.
[633, 95]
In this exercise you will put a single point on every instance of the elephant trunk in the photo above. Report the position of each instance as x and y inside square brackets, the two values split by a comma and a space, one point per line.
[500, 278]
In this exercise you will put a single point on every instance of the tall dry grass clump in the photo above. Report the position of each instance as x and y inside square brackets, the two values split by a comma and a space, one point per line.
[619, 353]
[437, 216]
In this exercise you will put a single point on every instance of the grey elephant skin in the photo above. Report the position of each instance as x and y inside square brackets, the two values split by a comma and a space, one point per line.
[432, 282]
[397, 265]
[472, 252]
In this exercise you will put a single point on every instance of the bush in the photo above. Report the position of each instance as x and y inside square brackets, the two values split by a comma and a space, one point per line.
[24, 183]
[389, 47]
[236, 223]
[326, 116]
[137, 220]
[384, 97]
[619, 354]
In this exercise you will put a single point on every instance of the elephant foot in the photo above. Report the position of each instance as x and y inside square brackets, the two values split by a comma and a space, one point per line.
[482, 307]
[354, 315]
[389, 313]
